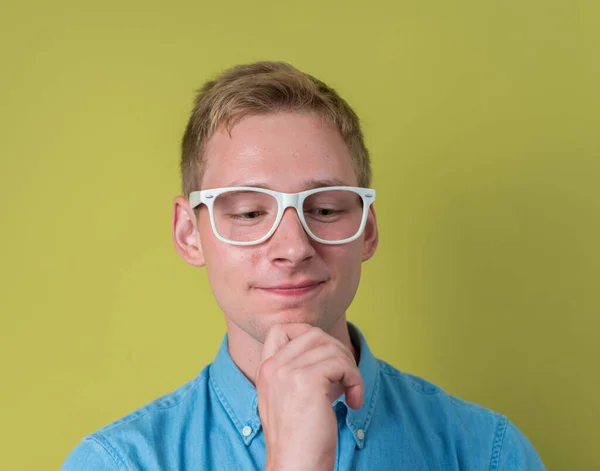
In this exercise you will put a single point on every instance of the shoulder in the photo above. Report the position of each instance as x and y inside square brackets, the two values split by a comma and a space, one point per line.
[416, 390]
[471, 427]
[416, 397]
[108, 447]
[514, 451]
[92, 455]
[168, 405]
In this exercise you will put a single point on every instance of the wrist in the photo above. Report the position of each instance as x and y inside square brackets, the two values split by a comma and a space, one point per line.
[272, 466]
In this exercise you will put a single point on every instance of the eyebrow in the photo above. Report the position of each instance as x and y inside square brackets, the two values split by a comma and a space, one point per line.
[308, 185]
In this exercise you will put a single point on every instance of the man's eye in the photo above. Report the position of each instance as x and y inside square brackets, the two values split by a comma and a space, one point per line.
[248, 215]
[324, 212]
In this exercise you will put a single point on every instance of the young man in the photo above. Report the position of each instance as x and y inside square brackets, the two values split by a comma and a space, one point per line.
[278, 210]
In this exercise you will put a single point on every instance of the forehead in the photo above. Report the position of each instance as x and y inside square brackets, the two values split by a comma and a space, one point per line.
[282, 151]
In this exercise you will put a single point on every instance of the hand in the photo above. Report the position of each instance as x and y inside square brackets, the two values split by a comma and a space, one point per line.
[302, 372]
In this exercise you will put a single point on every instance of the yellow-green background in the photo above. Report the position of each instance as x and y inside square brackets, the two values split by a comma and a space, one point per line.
[483, 119]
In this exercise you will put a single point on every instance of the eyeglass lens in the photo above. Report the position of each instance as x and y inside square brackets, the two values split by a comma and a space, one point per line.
[247, 216]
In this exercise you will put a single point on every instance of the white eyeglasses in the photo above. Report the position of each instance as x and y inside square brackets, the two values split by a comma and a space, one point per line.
[250, 215]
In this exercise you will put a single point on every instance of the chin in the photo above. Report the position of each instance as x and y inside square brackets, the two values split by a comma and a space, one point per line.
[299, 315]
[293, 315]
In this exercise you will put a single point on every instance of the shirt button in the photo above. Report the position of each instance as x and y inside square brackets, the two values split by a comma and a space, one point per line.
[246, 431]
[360, 434]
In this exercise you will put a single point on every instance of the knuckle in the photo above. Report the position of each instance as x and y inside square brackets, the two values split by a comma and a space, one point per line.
[340, 362]
[282, 374]
[345, 351]
[275, 330]
[315, 332]
[266, 370]
[335, 352]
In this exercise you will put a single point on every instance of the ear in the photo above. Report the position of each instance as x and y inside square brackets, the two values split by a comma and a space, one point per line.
[371, 238]
[186, 237]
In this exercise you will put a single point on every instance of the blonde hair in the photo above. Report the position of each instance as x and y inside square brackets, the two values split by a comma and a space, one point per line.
[262, 88]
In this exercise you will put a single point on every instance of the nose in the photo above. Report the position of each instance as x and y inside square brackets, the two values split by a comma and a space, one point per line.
[290, 244]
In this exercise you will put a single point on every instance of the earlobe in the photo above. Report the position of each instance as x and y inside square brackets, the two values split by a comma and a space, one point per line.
[185, 233]
[371, 238]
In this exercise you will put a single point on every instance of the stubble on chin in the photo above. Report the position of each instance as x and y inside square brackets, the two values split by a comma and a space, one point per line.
[258, 328]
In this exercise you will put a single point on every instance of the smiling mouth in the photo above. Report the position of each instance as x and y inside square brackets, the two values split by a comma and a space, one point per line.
[294, 290]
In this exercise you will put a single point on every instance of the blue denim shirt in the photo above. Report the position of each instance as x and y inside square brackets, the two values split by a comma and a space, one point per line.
[212, 422]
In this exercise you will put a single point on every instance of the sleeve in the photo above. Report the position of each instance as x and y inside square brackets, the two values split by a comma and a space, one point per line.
[516, 453]
[90, 455]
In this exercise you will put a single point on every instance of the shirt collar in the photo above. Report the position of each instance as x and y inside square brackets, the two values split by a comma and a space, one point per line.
[359, 420]
[238, 395]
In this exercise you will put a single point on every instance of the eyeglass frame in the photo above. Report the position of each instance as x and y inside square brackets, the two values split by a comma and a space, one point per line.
[284, 201]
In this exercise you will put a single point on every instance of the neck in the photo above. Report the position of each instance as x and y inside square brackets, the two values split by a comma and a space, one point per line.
[246, 351]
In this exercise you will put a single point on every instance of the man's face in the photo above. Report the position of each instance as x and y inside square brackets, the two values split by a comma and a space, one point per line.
[287, 152]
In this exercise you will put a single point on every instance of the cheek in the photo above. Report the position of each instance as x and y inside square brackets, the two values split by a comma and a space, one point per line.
[254, 257]
[348, 255]
[343, 262]
[228, 266]
[350, 277]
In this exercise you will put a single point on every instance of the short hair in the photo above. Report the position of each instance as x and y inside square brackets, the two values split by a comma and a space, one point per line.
[262, 88]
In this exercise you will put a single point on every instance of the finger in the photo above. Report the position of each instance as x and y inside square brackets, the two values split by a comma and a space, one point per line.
[325, 353]
[311, 338]
[279, 336]
[321, 353]
[336, 370]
